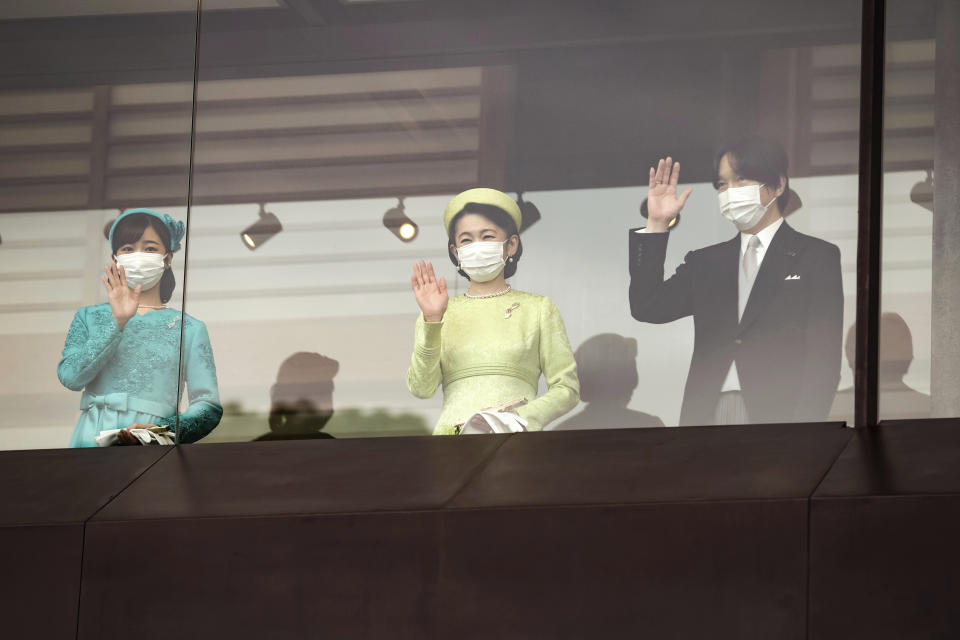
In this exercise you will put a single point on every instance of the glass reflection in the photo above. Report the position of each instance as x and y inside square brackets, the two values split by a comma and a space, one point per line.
[921, 229]
[897, 399]
[124, 355]
[94, 119]
[607, 367]
[301, 400]
[321, 169]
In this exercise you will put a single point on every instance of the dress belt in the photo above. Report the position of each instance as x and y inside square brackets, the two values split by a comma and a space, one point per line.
[499, 369]
[106, 409]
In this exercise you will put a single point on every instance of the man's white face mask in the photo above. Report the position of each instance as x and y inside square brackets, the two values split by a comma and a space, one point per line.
[742, 206]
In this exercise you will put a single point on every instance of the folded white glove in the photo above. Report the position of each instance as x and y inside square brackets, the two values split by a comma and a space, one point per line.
[494, 422]
[109, 437]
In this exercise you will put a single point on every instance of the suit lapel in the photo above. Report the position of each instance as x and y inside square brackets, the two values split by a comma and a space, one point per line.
[779, 261]
[728, 283]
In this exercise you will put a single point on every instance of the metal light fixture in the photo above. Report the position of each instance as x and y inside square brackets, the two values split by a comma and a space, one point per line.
[399, 224]
[645, 213]
[529, 213]
[262, 230]
[922, 192]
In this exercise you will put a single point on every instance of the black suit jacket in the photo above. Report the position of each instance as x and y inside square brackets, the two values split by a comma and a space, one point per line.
[787, 345]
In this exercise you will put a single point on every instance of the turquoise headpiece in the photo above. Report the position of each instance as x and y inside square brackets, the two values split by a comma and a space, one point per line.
[175, 227]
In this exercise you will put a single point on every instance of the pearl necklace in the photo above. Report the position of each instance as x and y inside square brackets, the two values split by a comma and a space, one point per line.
[150, 306]
[489, 295]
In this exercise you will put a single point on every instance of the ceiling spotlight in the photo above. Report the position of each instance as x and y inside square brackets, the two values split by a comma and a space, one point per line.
[529, 214]
[645, 213]
[399, 224]
[922, 192]
[262, 230]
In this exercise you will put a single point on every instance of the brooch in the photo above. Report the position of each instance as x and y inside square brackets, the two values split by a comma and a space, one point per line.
[510, 310]
[172, 324]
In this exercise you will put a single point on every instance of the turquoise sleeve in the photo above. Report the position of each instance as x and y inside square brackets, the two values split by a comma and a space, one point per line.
[204, 412]
[87, 349]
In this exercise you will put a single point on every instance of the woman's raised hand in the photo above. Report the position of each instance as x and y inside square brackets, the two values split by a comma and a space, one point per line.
[663, 204]
[431, 293]
[123, 300]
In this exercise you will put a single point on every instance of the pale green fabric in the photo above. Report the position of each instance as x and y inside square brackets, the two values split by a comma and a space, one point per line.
[484, 360]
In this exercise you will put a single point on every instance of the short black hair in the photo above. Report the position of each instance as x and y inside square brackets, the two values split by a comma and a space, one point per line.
[130, 229]
[760, 159]
[497, 216]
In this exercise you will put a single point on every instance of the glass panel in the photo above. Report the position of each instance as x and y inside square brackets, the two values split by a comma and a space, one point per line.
[919, 348]
[83, 89]
[329, 146]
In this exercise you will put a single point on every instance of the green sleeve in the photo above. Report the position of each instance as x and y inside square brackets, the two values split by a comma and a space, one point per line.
[424, 375]
[559, 370]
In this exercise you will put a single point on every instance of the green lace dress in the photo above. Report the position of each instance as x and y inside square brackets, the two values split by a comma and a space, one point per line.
[131, 376]
[485, 359]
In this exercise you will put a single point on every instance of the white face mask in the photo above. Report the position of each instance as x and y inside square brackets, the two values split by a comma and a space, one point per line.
[742, 206]
[482, 261]
[141, 268]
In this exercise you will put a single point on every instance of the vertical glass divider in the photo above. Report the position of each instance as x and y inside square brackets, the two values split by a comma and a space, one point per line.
[186, 236]
[870, 213]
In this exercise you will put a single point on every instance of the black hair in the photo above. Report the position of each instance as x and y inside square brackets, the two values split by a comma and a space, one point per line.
[131, 229]
[497, 216]
[759, 159]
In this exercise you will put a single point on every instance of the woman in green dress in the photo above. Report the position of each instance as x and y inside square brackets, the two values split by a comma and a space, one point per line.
[488, 347]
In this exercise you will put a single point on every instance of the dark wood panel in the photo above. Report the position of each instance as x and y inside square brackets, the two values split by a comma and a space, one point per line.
[345, 576]
[40, 585]
[900, 458]
[884, 526]
[885, 568]
[67, 485]
[304, 476]
[657, 465]
[719, 570]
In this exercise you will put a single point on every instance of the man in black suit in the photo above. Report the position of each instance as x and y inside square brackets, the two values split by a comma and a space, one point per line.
[767, 304]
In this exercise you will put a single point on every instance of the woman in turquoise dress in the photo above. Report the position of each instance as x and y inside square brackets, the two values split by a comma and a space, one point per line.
[488, 347]
[125, 355]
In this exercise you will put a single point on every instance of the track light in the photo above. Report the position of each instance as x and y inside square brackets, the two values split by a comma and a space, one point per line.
[399, 224]
[262, 230]
[529, 214]
[645, 213]
[922, 192]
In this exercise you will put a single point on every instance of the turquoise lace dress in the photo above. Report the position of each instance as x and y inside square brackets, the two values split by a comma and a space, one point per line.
[130, 376]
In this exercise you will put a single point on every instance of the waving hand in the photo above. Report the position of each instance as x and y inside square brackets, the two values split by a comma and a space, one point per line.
[431, 293]
[663, 204]
[123, 300]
